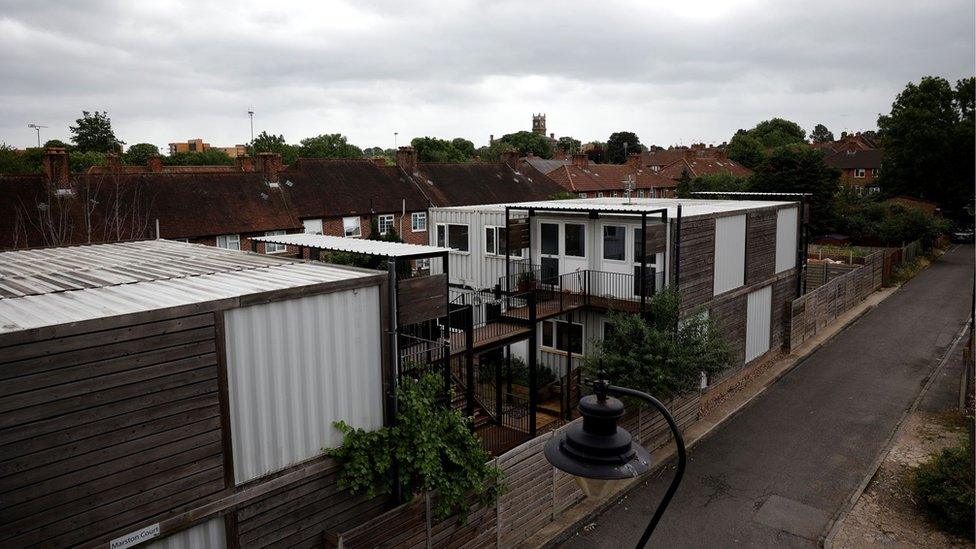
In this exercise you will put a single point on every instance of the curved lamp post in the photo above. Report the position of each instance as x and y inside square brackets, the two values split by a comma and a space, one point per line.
[603, 456]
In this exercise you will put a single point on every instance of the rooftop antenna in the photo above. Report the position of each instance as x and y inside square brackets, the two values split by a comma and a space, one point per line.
[629, 189]
[37, 128]
[250, 114]
[395, 134]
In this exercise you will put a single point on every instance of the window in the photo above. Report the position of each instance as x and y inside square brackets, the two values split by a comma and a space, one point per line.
[491, 246]
[550, 238]
[312, 226]
[418, 221]
[650, 280]
[575, 239]
[640, 193]
[229, 241]
[651, 258]
[562, 336]
[582, 195]
[350, 227]
[452, 236]
[875, 172]
[271, 247]
[599, 194]
[613, 194]
[613, 242]
[859, 173]
[385, 223]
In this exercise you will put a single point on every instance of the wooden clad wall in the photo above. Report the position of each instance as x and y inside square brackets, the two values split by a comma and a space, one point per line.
[730, 316]
[697, 262]
[106, 429]
[760, 246]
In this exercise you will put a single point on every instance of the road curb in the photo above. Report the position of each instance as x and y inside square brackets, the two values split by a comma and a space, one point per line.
[667, 460]
[837, 521]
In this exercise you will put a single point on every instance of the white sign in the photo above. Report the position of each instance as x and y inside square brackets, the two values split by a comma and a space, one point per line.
[135, 538]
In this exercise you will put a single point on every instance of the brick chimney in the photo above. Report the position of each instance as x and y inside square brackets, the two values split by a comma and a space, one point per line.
[56, 167]
[154, 163]
[510, 158]
[634, 160]
[269, 164]
[580, 160]
[406, 159]
[113, 162]
[244, 163]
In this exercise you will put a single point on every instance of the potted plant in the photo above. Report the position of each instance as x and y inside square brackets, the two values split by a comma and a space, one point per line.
[526, 282]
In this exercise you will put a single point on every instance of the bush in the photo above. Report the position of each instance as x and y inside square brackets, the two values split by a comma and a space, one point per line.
[943, 488]
[434, 449]
[520, 372]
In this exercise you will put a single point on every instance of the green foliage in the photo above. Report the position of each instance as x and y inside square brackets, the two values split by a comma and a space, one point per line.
[80, 161]
[58, 143]
[867, 220]
[464, 146]
[665, 358]
[139, 154]
[434, 449]
[520, 372]
[13, 161]
[93, 133]
[615, 146]
[432, 149]
[722, 181]
[821, 134]
[929, 143]
[526, 143]
[596, 152]
[331, 145]
[266, 142]
[568, 145]
[943, 488]
[746, 150]
[800, 169]
[748, 147]
[562, 195]
[211, 157]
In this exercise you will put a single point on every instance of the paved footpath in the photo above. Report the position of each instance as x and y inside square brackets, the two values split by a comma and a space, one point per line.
[776, 473]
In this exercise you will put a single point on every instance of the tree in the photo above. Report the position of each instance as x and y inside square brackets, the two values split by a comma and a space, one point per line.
[778, 132]
[821, 134]
[745, 149]
[139, 154]
[800, 169]
[665, 358]
[463, 146]
[331, 145]
[272, 143]
[13, 161]
[432, 149]
[568, 145]
[93, 133]
[928, 143]
[210, 157]
[615, 146]
[58, 143]
[527, 143]
[596, 152]
[722, 181]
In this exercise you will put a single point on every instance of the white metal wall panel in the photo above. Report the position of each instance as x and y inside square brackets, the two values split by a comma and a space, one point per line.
[730, 253]
[473, 268]
[207, 535]
[758, 314]
[786, 244]
[296, 366]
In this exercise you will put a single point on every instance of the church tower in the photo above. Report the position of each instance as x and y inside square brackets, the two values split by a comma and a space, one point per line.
[539, 124]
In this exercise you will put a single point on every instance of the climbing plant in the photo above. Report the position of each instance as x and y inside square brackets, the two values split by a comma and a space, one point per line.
[433, 448]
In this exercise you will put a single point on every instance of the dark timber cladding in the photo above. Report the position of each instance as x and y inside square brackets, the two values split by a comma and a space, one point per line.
[697, 262]
[421, 298]
[108, 428]
[760, 245]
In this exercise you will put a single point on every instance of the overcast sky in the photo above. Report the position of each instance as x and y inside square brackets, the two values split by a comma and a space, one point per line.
[673, 72]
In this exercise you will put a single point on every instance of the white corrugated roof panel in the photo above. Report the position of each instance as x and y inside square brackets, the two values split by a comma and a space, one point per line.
[170, 274]
[354, 245]
[690, 207]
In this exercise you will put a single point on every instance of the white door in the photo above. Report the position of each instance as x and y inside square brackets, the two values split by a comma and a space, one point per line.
[758, 315]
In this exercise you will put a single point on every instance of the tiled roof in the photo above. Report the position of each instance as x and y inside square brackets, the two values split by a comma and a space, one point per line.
[546, 166]
[324, 188]
[607, 177]
[853, 159]
[482, 183]
[704, 165]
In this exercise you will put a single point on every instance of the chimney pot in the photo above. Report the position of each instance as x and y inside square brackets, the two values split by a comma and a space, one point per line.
[113, 162]
[154, 163]
[244, 163]
[56, 167]
[634, 160]
[270, 165]
[406, 159]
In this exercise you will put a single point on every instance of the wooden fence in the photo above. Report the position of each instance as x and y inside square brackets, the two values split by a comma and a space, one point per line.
[817, 309]
[819, 273]
[537, 494]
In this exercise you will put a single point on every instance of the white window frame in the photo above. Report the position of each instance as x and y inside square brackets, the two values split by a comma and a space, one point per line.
[582, 195]
[859, 173]
[446, 243]
[384, 223]
[554, 348]
[347, 225]
[603, 243]
[315, 222]
[231, 241]
[599, 194]
[583, 242]
[640, 193]
[496, 238]
[273, 248]
[418, 222]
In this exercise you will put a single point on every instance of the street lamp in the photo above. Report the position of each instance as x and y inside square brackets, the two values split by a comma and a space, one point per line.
[602, 456]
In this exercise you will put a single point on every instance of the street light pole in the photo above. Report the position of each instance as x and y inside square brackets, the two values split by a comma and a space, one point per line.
[250, 114]
[601, 455]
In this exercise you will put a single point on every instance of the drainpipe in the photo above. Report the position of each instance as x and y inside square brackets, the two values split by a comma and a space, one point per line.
[394, 361]
[677, 250]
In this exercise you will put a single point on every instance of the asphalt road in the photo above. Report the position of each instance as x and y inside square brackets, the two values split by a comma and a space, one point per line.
[777, 472]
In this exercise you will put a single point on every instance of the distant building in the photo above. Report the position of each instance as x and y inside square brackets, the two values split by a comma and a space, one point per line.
[198, 145]
[587, 179]
[858, 157]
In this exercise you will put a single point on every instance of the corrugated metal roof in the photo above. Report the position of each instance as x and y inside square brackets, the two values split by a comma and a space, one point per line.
[354, 245]
[636, 206]
[54, 286]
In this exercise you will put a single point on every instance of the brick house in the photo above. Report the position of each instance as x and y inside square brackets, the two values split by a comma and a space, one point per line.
[586, 179]
[696, 163]
[859, 168]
